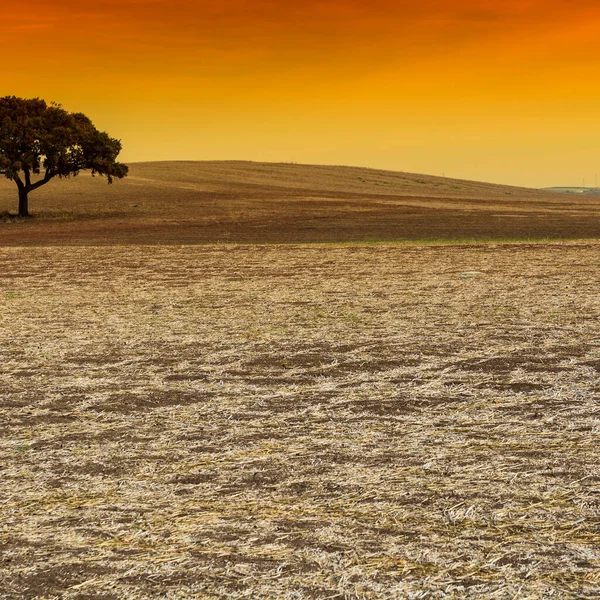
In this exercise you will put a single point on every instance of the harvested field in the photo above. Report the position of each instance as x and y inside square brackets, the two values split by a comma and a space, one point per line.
[208, 202]
[300, 422]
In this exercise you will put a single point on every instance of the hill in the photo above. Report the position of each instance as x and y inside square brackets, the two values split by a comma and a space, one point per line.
[575, 190]
[233, 201]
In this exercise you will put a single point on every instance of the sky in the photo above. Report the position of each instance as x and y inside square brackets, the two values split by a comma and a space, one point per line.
[506, 91]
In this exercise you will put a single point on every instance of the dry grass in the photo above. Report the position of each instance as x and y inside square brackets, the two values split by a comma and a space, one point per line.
[300, 422]
[206, 202]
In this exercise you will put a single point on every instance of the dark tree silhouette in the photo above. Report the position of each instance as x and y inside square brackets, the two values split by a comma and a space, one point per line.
[40, 141]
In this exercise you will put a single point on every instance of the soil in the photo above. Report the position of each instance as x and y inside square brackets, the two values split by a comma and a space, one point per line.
[299, 421]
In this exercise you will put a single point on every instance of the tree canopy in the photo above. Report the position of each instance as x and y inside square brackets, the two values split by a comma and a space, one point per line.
[40, 141]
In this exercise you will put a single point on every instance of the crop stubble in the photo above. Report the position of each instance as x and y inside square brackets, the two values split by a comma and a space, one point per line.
[242, 202]
[300, 422]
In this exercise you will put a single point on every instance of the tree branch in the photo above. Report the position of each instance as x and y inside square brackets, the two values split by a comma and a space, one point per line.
[47, 177]
[27, 176]
[18, 181]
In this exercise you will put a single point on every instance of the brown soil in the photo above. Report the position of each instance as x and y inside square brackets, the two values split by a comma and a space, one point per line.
[204, 202]
[300, 422]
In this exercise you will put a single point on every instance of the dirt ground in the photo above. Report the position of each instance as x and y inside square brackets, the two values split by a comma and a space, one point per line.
[300, 422]
[213, 202]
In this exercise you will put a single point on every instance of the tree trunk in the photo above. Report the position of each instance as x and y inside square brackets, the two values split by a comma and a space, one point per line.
[23, 203]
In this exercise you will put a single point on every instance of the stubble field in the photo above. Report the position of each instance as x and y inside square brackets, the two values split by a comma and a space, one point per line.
[244, 202]
[300, 422]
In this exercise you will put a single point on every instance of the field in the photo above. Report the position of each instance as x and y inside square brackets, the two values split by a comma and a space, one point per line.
[213, 202]
[299, 421]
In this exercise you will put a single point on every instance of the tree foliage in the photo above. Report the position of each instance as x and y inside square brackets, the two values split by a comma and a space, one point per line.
[40, 141]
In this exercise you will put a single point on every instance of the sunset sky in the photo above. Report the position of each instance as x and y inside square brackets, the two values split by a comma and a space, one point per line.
[505, 91]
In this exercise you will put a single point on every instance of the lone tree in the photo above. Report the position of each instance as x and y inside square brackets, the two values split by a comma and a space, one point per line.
[40, 141]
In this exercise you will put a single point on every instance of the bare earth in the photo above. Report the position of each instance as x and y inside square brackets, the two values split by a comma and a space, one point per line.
[208, 202]
[299, 422]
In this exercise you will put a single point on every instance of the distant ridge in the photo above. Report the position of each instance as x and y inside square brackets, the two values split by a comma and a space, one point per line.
[585, 191]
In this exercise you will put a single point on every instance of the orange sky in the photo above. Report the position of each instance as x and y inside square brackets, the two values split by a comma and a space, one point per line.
[505, 91]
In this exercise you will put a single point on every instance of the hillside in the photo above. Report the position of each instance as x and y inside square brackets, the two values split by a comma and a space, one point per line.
[202, 202]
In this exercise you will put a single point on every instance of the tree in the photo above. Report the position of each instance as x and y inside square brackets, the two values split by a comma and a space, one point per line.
[40, 141]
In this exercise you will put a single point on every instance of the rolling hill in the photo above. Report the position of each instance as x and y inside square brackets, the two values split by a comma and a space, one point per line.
[234, 201]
